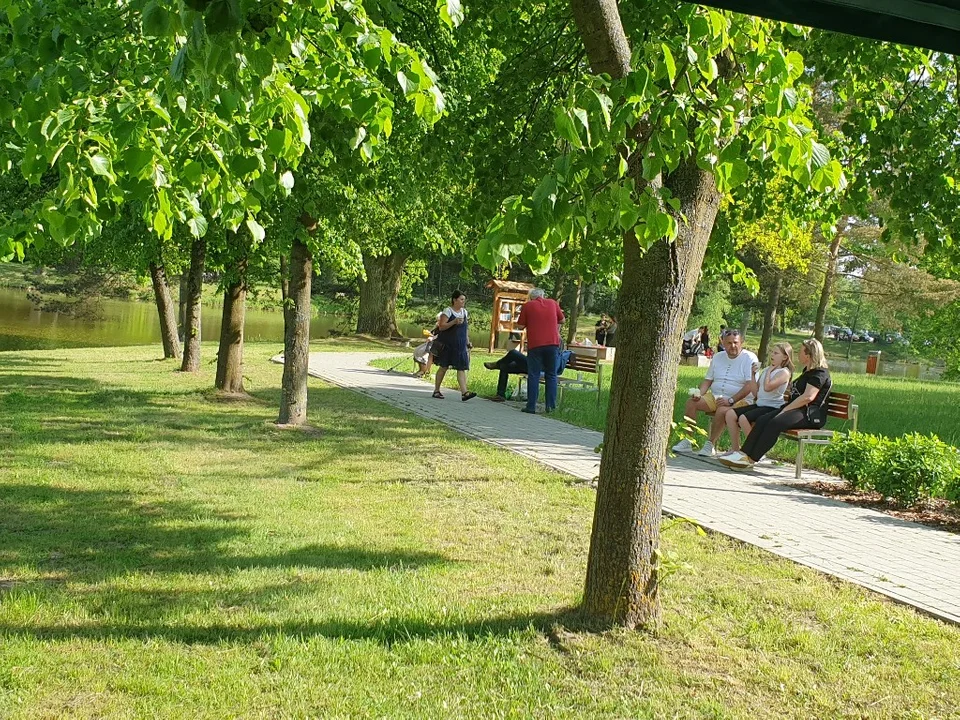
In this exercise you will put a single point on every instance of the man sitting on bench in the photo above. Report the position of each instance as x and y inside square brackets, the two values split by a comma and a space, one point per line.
[723, 387]
[515, 363]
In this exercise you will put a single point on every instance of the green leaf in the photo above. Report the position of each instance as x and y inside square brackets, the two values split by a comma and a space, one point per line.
[584, 118]
[819, 154]
[256, 230]
[197, 225]
[451, 12]
[261, 62]
[545, 196]
[277, 141]
[100, 164]
[155, 20]
[669, 63]
[179, 65]
[565, 128]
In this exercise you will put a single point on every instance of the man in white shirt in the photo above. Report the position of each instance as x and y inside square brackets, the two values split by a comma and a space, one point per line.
[726, 381]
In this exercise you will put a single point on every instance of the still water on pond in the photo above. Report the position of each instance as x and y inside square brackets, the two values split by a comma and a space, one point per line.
[123, 322]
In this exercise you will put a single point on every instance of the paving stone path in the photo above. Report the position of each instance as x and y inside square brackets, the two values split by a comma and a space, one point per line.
[908, 562]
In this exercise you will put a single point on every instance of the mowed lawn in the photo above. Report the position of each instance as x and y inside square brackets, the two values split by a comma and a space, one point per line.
[888, 406]
[166, 553]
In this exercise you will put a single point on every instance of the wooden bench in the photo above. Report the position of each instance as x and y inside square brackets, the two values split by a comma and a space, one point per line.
[584, 366]
[840, 406]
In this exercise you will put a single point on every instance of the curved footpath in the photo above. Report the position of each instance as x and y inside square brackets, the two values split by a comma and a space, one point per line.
[907, 562]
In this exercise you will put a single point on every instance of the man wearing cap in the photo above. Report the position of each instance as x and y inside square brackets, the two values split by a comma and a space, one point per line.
[724, 385]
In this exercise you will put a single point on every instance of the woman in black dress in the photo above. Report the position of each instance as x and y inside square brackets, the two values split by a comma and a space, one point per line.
[453, 346]
[807, 408]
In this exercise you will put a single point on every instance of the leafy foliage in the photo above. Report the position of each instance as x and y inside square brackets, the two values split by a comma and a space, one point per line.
[728, 77]
[907, 468]
[192, 110]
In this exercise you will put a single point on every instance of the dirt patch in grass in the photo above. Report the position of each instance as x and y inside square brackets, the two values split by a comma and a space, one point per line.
[939, 514]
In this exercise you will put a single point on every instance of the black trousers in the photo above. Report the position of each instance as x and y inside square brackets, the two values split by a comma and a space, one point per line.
[768, 428]
[512, 362]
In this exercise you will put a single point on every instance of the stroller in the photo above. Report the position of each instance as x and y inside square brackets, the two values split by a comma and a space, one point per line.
[422, 354]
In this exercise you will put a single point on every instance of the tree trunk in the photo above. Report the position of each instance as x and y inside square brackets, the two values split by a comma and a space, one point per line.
[296, 339]
[230, 354]
[770, 314]
[827, 288]
[194, 298]
[652, 308]
[745, 319]
[168, 314]
[182, 301]
[573, 318]
[377, 315]
[284, 278]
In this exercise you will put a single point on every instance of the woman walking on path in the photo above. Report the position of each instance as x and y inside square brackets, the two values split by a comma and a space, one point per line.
[452, 346]
[807, 408]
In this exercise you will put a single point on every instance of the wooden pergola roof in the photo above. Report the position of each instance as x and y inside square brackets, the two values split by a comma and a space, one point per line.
[933, 24]
[510, 286]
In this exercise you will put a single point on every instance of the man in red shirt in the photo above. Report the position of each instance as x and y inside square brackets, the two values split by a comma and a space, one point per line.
[541, 318]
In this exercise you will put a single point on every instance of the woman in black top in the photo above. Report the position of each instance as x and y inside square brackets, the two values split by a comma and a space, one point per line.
[807, 408]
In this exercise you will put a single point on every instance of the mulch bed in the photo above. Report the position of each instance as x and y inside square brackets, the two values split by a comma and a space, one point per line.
[939, 514]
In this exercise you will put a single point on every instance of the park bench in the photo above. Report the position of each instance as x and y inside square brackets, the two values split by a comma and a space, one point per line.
[584, 366]
[840, 406]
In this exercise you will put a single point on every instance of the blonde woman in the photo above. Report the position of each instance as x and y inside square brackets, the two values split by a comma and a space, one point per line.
[807, 408]
[768, 389]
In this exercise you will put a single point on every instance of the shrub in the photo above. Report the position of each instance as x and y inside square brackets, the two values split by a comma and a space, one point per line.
[907, 468]
[916, 466]
[857, 457]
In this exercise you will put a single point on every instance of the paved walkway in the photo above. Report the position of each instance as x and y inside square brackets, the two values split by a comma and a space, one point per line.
[910, 563]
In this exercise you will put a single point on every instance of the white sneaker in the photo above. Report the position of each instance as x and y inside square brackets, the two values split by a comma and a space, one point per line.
[707, 450]
[737, 460]
[683, 446]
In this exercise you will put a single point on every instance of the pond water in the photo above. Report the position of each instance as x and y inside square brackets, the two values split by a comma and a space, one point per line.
[124, 322]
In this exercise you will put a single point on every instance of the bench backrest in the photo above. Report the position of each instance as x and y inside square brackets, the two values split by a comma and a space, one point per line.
[582, 363]
[839, 405]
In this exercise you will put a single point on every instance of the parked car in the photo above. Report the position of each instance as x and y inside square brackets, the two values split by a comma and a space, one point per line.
[862, 336]
[844, 334]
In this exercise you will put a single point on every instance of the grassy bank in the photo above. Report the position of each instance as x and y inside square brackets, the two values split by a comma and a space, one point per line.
[888, 406]
[164, 553]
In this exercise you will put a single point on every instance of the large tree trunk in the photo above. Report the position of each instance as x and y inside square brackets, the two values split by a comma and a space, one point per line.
[827, 288]
[296, 340]
[377, 315]
[230, 355]
[770, 313]
[652, 308]
[573, 317]
[168, 313]
[193, 307]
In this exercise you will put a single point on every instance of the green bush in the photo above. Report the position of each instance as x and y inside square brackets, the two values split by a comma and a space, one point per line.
[857, 457]
[916, 466]
[907, 468]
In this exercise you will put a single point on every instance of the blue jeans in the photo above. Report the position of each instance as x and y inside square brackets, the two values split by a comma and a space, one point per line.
[544, 360]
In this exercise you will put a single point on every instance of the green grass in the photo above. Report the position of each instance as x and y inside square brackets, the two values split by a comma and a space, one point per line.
[888, 406]
[165, 553]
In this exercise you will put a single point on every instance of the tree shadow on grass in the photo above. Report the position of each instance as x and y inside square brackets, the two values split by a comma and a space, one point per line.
[94, 535]
[386, 632]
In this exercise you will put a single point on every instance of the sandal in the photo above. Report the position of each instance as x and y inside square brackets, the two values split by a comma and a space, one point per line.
[438, 395]
[467, 395]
